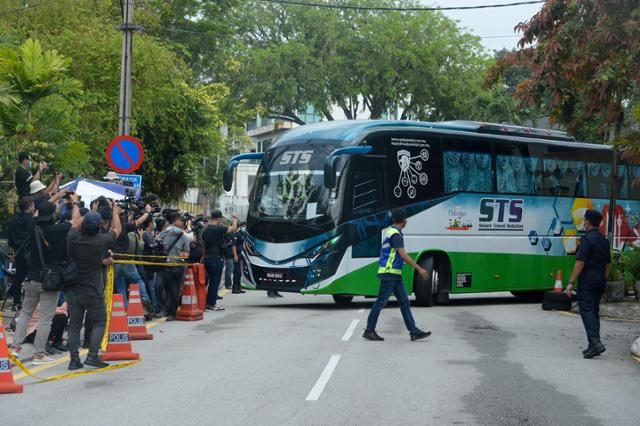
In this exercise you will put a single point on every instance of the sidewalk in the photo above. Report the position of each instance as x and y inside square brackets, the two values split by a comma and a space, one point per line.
[629, 310]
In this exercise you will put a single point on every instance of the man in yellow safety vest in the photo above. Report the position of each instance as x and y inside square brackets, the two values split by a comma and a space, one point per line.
[392, 257]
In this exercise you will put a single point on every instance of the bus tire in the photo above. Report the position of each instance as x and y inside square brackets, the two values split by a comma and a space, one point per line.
[422, 288]
[341, 299]
[556, 301]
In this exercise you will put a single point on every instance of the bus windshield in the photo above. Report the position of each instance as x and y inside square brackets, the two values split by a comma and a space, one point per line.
[295, 195]
[291, 191]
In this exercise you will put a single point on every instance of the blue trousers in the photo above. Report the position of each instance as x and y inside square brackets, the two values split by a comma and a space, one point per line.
[386, 288]
[125, 274]
[214, 266]
[589, 304]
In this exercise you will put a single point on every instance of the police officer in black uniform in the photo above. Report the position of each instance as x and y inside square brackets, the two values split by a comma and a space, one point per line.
[593, 263]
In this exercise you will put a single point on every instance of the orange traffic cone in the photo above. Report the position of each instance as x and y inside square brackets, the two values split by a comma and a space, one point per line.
[6, 376]
[558, 287]
[200, 278]
[119, 346]
[189, 310]
[135, 316]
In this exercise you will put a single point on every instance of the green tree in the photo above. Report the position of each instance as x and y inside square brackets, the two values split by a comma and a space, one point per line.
[421, 63]
[175, 114]
[40, 115]
[584, 59]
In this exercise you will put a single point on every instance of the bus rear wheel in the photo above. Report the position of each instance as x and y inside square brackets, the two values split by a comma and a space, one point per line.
[341, 299]
[425, 290]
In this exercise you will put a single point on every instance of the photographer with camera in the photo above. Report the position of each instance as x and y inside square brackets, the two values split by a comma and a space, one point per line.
[47, 250]
[87, 248]
[170, 278]
[213, 247]
[125, 274]
[23, 177]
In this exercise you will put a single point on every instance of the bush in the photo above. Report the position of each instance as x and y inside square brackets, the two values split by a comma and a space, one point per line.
[630, 263]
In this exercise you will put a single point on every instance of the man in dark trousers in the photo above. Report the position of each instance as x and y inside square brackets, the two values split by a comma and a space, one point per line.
[213, 255]
[593, 263]
[392, 257]
[18, 237]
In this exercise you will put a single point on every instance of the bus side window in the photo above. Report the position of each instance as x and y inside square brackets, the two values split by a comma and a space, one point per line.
[564, 177]
[623, 182]
[516, 173]
[634, 182]
[599, 180]
[468, 171]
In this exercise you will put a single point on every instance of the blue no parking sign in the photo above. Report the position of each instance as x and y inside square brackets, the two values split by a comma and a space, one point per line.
[125, 154]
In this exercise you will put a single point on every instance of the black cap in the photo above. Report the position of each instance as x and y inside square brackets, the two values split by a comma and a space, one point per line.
[46, 208]
[217, 214]
[594, 217]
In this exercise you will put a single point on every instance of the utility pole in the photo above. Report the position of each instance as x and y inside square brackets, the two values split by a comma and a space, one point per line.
[127, 29]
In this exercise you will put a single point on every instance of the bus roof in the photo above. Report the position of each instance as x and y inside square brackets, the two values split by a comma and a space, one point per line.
[351, 130]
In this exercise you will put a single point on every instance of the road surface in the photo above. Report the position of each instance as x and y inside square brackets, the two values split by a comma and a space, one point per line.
[301, 360]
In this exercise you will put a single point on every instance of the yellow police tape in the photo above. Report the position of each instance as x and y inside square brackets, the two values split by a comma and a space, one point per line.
[108, 299]
[151, 256]
[26, 371]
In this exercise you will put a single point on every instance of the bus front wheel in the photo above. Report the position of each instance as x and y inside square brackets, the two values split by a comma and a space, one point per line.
[425, 290]
[341, 299]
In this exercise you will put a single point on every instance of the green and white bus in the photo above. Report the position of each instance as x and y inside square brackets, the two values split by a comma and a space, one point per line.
[491, 207]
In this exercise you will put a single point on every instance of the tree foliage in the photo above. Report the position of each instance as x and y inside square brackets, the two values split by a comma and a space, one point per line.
[175, 114]
[421, 63]
[584, 57]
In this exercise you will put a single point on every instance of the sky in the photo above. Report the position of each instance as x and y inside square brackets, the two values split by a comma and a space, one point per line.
[489, 23]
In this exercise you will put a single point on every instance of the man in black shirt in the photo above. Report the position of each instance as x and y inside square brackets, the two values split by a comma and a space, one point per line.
[52, 238]
[87, 247]
[18, 236]
[213, 254]
[593, 263]
[23, 176]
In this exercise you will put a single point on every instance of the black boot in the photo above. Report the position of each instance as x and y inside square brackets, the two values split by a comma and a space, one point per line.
[75, 364]
[419, 334]
[372, 335]
[95, 361]
[595, 348]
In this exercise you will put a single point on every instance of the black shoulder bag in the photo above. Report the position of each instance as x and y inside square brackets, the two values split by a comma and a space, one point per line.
[69, 271]
[56, 276]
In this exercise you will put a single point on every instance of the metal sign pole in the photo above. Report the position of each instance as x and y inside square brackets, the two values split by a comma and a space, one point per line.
[127, 29]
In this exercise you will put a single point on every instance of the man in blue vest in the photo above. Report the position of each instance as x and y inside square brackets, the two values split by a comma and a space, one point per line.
[392, 257]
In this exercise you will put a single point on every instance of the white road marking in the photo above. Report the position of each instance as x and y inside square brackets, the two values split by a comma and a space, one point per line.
[350, 330]
[361, 311]
[317, 389]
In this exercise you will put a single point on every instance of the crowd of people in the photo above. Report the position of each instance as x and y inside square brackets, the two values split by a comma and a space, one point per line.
[53, 232]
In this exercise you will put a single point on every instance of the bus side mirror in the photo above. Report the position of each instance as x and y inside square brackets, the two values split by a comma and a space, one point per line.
[227, 177]
[330, 171]
[331, 163]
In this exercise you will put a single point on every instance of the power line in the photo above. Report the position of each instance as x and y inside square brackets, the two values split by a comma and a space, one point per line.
[183, 30]
[397, 8]
[33, 6]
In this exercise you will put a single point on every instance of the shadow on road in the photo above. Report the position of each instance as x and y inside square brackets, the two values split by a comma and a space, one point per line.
[325, 303]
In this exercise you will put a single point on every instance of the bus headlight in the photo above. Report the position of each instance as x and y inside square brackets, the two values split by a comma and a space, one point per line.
[314, 252]
[250, 248]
